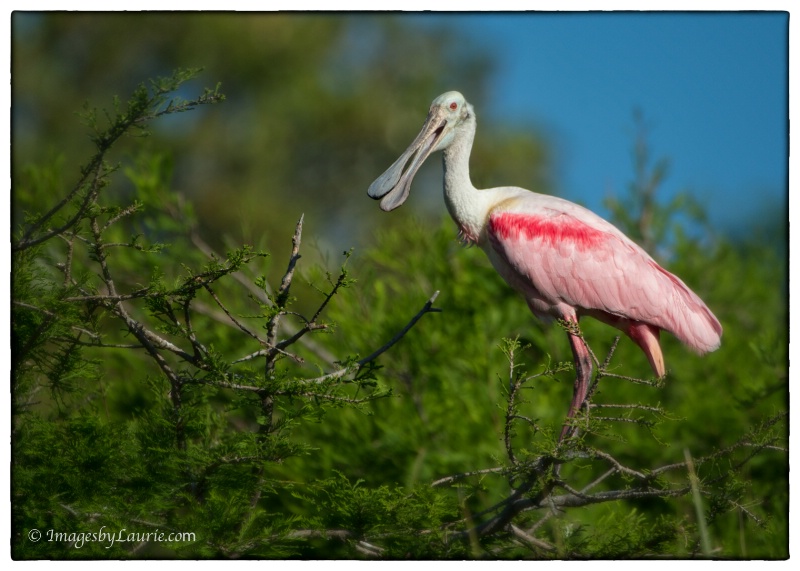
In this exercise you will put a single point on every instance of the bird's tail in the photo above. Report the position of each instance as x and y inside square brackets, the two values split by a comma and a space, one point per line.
[689, 319]
[646, 337]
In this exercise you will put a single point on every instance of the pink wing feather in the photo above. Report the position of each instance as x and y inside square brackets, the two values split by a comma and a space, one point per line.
[560, 254]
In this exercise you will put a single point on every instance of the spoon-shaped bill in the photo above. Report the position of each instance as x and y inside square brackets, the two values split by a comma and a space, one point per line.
[393, 186]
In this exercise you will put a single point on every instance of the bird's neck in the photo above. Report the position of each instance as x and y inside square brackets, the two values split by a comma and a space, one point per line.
[456, 163]
[462, 199]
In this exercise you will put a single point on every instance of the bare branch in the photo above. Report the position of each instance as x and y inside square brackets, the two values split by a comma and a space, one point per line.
[342, 534]
[261, 295]
[111, 299]
[323, 396]
[611, 350]
[454, 477]
[618, 466]
[282, 297]
[632, 379]
[286, 281]
[601, 478]
[236, 386]
[628, 406]
[231, 317]
[133, 208]
[427, 308]
[531, 540]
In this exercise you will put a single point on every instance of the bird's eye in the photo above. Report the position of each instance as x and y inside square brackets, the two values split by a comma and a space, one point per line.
[453, 106]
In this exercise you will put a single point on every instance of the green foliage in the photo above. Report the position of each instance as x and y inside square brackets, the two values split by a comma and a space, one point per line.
[209, 420]
[271, 409]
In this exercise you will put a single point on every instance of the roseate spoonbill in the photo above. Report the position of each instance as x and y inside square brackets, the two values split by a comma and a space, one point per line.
[566, 261]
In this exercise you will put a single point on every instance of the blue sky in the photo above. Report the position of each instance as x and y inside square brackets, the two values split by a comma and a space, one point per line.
[712, 88]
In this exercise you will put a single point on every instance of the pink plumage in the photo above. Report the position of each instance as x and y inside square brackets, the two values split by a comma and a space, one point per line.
[566, 261]
[569, 262]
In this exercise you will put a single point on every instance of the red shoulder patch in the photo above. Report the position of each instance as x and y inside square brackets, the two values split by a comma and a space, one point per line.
[511, 226]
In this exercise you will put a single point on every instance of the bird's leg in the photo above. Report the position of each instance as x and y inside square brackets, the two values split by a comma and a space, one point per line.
[583, 374]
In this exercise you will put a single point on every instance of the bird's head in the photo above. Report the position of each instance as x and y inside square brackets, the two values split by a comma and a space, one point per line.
[448, 111]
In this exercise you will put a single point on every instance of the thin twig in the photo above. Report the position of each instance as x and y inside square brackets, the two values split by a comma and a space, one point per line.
[598, 480]
[631, 379]
[618, 466]
[427, 308]
[454, 477]
[628, 406]
[242, 327]
[262, 296]
[282, 298]
[531, 540]
[333, 398]
[236, 386]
